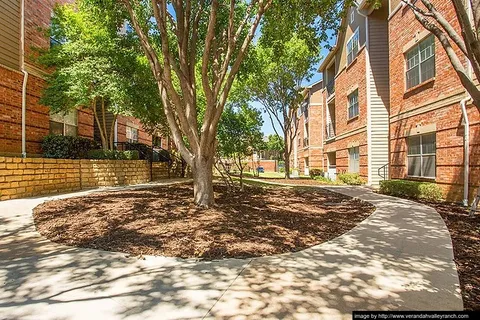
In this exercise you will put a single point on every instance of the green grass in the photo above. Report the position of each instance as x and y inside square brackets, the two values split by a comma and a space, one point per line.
[269, 175]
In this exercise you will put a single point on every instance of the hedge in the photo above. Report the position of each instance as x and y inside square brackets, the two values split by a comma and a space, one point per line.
[411, 189]
[67, 147]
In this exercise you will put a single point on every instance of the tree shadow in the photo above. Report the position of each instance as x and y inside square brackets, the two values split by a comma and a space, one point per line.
[399, 258]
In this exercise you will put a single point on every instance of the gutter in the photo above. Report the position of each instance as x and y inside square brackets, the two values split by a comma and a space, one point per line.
[466, 148]
[25, 80]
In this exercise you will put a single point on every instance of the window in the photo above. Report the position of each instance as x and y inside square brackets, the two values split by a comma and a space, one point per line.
[157, 141]
[353, 104]
[352, 16]
[421, 156]
[64, 124]
[132, 134]
[354, 160]
[421, 62]
[352, 47]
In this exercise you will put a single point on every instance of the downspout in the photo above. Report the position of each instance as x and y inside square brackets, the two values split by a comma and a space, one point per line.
[25, 79]
[466, 147]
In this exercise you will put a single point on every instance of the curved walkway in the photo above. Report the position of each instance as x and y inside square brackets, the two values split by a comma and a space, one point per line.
[400, 258]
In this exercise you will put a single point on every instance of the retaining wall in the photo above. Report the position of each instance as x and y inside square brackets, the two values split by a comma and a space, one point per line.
[37, 176]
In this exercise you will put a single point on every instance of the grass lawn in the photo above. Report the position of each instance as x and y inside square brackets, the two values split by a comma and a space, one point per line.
[164, 221]
[266, 175]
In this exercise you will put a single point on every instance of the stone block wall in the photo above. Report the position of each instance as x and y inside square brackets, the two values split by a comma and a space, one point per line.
[28, 177]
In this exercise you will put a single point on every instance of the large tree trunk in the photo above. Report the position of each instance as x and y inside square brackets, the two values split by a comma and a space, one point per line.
[202, 171]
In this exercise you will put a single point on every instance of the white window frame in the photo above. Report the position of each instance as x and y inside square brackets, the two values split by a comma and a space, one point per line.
[128, 134]
[418, 55]
[352, 106]
[61, 119]
[351, 45]
[422, 155]
[354, 159]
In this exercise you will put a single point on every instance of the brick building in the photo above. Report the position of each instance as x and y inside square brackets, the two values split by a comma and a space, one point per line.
[356, 95]
[308, 144]
[22, 82]
[426, 123]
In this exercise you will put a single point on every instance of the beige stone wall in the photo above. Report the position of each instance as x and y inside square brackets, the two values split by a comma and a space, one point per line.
[32, 177]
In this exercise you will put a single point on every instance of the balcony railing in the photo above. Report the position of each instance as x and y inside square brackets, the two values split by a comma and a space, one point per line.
[330, 130]
[330, 88]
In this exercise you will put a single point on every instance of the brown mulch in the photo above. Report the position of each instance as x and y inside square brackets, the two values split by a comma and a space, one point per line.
[164, 221]
[465, 234]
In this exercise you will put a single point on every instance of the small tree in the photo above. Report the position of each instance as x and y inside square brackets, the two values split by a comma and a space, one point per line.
[96, 67]
[239, 133]
[275, 145]
[284, 67]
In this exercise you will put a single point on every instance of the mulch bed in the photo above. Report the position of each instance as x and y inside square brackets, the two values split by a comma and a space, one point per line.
[164, 221]
[465, 234]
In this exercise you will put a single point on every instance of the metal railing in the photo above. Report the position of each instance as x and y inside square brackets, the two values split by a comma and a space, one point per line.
[383, 171]
[330, 88]
[330, 130]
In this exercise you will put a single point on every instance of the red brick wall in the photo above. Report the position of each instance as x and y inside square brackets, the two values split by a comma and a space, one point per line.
[143, 135]
[447, 116]
[312, 151]
[37, 17]
[348, 80]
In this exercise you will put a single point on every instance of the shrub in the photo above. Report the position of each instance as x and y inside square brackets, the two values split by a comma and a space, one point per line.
[350, 178]
[316, 173]
[411, 189]
[67, 147]
[113, 155]
[325, 180]
[144, 151]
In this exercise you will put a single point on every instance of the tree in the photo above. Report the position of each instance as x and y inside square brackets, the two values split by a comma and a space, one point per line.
[179, 36]
[96, 67]
[458, 47]
[284, 66]
[275, 145]
[239, 134]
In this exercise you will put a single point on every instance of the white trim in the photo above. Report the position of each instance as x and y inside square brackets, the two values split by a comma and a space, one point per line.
[369, 111]
[356, 32]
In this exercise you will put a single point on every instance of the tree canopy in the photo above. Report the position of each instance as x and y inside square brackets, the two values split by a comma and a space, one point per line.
[95, 66]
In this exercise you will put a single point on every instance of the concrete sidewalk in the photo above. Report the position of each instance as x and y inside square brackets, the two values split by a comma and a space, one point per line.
[400, 258]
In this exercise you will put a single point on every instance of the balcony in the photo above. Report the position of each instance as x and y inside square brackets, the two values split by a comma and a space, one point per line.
[330, 130]
[331, 89]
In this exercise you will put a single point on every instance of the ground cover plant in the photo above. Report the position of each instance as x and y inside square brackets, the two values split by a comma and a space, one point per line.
[165, 221]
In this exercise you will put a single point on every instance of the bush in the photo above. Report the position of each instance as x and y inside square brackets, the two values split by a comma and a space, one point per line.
[67, 147]
[316, 173]
[325, 180]
[350, 178]
[113, 155]
[144, 151]
[411, 189]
